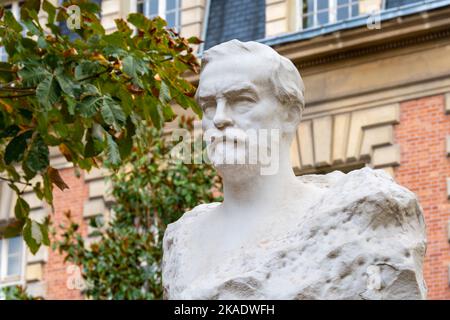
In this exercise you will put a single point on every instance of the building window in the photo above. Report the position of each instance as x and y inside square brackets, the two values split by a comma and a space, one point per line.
[315, 13]
[12, 260]
[166, 9]
[14, 7]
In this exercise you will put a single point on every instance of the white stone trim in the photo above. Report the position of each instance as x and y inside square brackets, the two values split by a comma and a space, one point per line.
[447, 145]
[349, 137]
[447, 103]
[448, 231]
[448, 188]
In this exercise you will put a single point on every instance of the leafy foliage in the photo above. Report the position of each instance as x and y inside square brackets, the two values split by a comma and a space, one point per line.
[17, 293]
[86, 97]
[125, 260]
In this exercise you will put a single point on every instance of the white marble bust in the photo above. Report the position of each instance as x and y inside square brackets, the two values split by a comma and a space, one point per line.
[277, 236]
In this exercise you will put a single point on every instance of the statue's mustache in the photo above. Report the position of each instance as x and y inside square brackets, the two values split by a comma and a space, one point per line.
[237, 137]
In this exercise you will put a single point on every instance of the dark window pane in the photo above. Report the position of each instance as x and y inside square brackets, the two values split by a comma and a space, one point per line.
[14, 245]
[140, 7]
[322, 4]
[154, 8]
[398, 3]
[171, 4]
[355, 10]
[341, 2]
[308, 6]
[342, 13]
[171, 19]
[13, 266]
[322, 18]
[308, 21]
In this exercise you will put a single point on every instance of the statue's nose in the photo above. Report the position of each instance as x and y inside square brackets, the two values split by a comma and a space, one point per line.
[221, 118]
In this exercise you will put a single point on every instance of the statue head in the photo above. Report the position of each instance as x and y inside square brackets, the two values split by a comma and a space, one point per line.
[247, 86]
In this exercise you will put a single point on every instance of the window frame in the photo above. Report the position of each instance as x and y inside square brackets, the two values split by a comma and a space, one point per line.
[162, 11]
[5, 280]
[332, 13]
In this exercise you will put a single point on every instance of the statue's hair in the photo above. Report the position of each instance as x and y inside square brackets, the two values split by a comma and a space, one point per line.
[286, 80]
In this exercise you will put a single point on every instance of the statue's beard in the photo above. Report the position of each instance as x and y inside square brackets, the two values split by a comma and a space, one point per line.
[242, 154]
[234, 159]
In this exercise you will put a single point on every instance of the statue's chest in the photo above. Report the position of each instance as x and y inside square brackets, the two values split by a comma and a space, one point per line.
[244, 273]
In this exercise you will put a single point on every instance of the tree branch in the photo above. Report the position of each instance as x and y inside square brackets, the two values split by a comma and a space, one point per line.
[7, 70]
[13, 181]
[97, 74]
[18, 96]
[16, 89]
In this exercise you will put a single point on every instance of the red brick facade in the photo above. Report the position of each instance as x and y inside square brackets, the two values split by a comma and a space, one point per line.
[424, 168]
[56, 273]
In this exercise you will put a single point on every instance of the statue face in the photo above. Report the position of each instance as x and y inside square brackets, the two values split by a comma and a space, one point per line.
[237, 99]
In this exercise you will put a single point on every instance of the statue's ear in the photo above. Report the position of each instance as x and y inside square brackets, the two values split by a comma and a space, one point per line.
[292, 117]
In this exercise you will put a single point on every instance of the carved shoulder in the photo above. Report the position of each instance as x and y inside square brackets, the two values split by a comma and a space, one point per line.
[378, 229]
[177, 232]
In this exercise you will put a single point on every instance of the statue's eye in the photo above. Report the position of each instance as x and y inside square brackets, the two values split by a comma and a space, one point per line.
[245, 99]
[209, 109]
[243, 104]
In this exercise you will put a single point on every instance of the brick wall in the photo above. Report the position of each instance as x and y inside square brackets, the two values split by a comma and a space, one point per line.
[56, 272]
[424, 168]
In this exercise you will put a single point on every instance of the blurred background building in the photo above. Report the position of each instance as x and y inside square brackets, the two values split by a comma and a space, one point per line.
[377, 77]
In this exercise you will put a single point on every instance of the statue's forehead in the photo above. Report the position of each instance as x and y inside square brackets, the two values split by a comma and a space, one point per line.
[223, 75]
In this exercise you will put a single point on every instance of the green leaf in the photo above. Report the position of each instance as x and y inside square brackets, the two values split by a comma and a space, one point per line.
[123, 27]
[89, 6]
[133, 67]
[138, 20]
[89, 90]
[11, 22]
[86, 69]
[188, 102]
[66, 84]
[6, 73]
[164, 93]
[21, 209]
[112, 113]
[112, 150]
[93, 146]
[126, 100]
[33, 236]
[51, 11]
[28, 7]
[71, 104]
[32, 76]
[15, 150]
[47, 92]
[88, 107]
[37, 157]
[194, 40]
[48, 188]
[44, 232]
[126, 143]
[10, 131]
[32, 27]
[14, 229]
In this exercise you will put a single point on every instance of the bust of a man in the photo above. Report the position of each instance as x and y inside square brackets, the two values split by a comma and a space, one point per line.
[277, 236]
